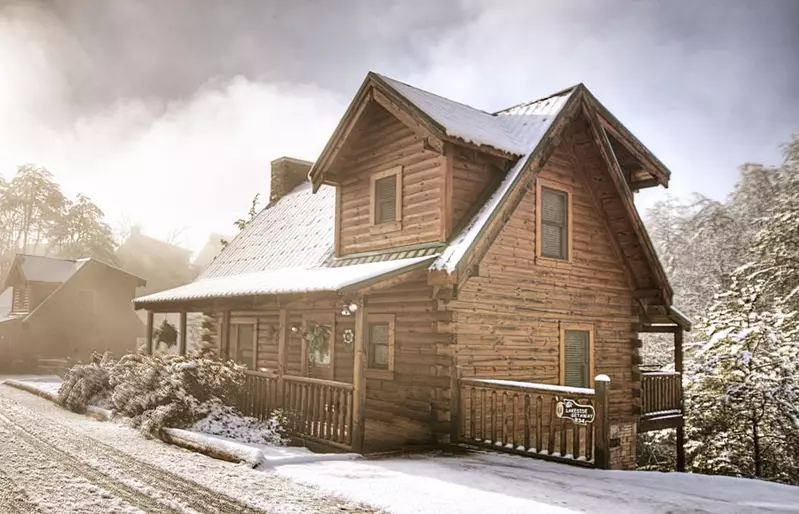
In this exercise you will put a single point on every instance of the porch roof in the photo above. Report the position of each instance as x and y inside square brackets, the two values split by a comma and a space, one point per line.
[283, 281]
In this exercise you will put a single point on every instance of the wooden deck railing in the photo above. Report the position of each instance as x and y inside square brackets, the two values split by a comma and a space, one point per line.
[662, 393]
[521, 417]
[260, 394]
[317, 410]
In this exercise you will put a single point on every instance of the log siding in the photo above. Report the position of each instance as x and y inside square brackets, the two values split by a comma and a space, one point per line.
[507, 318]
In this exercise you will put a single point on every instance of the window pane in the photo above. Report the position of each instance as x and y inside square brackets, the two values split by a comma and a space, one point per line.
[386, 199]
[552, 241]
[553, 205]
[576, 358]
[321, 355]
[378, 345]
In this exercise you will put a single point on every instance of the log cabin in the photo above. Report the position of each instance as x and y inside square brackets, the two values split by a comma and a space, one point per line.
[445, 275]
[67, 309]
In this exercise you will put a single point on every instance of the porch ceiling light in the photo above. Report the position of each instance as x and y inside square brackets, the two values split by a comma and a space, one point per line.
[352, 307]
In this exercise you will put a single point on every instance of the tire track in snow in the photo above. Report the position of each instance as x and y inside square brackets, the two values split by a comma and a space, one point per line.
[90, 473]
[13, 499]
[185, 492]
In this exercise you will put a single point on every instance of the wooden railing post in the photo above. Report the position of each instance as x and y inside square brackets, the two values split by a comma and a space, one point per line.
[602, 423]
[678, 367]
[182, 335]
[282, 354]
[149, 334]
[455, 407]
[359, 380]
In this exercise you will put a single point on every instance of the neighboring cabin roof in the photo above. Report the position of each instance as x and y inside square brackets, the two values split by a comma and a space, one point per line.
[47, 269]
[294, 232]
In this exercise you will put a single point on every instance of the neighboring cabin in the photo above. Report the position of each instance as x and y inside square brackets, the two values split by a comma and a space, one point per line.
[62, 308]
[163, 265]
[436, 244]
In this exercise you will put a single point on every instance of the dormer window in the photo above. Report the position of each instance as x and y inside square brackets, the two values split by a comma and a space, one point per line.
[387, 197]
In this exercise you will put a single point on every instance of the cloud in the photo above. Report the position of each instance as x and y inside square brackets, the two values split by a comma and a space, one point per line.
[167, 164]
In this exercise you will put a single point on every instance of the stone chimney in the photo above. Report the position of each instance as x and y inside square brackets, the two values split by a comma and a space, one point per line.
[287, 173]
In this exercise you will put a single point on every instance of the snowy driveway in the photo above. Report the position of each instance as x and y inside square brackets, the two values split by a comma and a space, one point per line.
[55, 461]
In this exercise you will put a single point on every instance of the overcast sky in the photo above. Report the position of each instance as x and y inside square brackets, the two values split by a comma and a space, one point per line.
[169, 112]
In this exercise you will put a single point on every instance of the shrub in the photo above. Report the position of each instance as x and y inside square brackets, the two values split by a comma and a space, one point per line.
[223, 420]
[87, 384]
[169, 391]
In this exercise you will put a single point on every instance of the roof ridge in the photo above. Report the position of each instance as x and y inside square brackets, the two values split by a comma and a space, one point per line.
[46, 257]
[531, 102]
[435, 94]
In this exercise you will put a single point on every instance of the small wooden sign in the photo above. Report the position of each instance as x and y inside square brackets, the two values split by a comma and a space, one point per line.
[580, 414]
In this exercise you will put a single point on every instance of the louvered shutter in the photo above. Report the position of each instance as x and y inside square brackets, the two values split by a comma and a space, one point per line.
[576, 358]
[554, 223]
[21, 300]
[386, 199]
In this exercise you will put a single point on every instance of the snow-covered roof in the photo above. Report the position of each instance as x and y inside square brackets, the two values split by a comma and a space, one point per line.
[526, 122]
[462, 121]
[282, 281]
[294, 232]
[48, 269]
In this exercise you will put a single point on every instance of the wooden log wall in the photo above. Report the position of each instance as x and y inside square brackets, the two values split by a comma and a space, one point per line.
[507, 317]
[413, 407]
[379, 142]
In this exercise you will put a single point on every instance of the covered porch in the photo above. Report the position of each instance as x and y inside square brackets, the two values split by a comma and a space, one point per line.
[305, 352]
[661, 390]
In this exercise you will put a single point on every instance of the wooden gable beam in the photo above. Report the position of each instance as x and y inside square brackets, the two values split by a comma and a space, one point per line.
[410, 119]
[627, 200]
[614, 242]
[657, 170]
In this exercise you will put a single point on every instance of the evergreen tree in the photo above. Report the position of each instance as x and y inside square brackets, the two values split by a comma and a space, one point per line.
[81, 232]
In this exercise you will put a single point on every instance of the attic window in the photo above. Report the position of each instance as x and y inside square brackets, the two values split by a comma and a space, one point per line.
[576, 355]
[553, 239]
[387, 196]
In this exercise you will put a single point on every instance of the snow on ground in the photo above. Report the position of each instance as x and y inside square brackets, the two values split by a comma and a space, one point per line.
[484, 482]
[70, 432]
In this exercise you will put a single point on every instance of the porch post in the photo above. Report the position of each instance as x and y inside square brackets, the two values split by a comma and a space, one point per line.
[678, 367]
[602, 421]
[282, 354]
[149, 334]
[224, 345]
[455, 412]
[358, 379]
[182, 335]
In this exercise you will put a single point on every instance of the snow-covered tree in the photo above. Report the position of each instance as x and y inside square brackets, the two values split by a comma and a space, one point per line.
[742, 387]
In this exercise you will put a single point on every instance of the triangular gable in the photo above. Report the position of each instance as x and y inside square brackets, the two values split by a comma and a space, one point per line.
[467, 248]
[87, 263]
[433, 118]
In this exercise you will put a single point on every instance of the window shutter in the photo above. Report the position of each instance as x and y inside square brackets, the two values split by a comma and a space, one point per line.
[576, 358]
[386, 199]
[554, 225]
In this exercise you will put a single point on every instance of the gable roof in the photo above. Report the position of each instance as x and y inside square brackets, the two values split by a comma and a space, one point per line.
[297, 232]
[294, 232]
[34, 268]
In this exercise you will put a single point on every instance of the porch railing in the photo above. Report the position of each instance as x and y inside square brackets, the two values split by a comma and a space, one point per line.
[316, 410]
[259, 397]
[661, 393]
[522, 418]
[319, 410]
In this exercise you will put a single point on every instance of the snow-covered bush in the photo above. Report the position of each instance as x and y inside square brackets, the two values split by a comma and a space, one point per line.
[87, 384]
[225, 421]
[169, 391]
